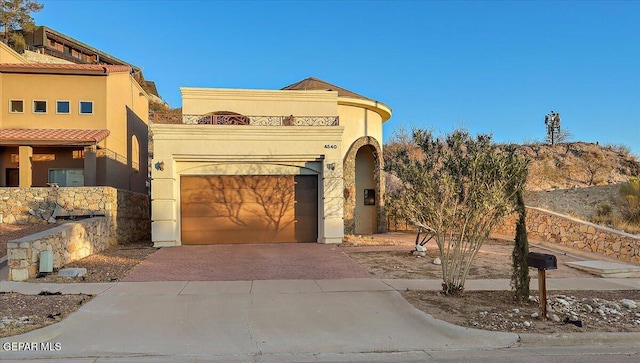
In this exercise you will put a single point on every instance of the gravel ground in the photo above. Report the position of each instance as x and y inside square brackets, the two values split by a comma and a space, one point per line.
[22, 313]
[497, 311]
[113, 264]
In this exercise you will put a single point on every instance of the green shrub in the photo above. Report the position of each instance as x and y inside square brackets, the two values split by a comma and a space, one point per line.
[629, 201]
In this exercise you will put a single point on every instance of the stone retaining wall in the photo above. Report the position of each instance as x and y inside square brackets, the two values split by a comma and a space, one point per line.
[127, 213]
[547, 226]
[68, 242]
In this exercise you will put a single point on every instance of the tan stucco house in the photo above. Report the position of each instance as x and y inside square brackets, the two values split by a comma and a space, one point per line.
[300, 164]
[71, 125]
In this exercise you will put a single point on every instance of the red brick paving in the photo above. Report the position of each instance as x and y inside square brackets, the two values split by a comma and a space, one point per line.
[287, 261]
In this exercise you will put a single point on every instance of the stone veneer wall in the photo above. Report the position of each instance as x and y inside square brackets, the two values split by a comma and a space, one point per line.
[69, 242]
[547, 226]
[349, 173]
[127, 213]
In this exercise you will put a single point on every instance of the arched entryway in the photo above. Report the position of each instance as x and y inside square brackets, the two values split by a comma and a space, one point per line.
[364, 188]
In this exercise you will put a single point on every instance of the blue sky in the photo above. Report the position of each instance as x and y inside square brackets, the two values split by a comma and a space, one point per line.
[491, 66]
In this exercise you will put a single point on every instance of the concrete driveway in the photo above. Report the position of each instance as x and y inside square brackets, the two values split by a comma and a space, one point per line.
[275, 320]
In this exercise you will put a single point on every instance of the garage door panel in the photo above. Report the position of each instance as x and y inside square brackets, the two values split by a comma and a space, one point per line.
[205, 237]
[249, 209]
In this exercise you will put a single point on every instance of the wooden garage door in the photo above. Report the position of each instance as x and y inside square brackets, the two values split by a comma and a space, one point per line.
[249, 209]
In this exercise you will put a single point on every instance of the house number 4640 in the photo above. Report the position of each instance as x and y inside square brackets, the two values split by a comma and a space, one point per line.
[331, 146]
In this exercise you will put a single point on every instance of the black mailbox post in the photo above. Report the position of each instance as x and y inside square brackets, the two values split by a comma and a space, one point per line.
[542, 262]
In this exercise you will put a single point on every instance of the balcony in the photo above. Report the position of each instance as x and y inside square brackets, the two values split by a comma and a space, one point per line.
[237, 119]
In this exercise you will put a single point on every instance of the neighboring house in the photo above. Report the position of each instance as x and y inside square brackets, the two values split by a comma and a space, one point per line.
[45, 45]
[301, 164]
[72, 125]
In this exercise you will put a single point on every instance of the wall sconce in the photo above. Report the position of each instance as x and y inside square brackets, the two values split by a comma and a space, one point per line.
[331, 166]
[160, 165]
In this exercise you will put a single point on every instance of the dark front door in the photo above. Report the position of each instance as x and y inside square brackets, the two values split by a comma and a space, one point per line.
[13, 177]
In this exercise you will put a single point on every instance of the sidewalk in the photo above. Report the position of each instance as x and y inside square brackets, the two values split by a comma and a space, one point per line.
[355, 284]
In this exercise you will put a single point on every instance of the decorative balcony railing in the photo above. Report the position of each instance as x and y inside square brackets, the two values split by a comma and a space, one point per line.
[227, 119]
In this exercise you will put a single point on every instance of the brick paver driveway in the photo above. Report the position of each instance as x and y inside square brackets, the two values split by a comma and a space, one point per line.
[286, 261]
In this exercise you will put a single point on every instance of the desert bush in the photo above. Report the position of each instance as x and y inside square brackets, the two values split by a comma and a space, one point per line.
[458, 187]
[629, 200]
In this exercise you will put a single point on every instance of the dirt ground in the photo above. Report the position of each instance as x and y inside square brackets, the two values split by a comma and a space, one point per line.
[9, 232]
[395, 262]
[387, 256]
[22, 313]
[110, 265]
[497, 311]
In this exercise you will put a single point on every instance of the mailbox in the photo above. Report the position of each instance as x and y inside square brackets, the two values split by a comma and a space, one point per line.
[542, 261]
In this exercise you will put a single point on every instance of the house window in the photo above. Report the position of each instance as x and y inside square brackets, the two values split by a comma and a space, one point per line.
[67, 177]
[63, 107]
[16, 106]
[86, 107]
[77, 154]
[369, 197]
[39, 106]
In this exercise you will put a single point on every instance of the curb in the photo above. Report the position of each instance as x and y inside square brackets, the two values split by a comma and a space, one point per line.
[580, 339]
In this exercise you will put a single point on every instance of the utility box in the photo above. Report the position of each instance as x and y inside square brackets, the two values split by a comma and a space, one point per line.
[542, 261]
[46, 261]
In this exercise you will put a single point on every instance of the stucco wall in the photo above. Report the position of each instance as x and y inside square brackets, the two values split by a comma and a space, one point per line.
[52, 88]
[233, 150]
[68, 242]
[199, 101]
[127, 213]
[547, 226]
[358, 122]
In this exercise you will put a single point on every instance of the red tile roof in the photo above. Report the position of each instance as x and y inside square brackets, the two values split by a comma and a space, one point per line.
[51, 136]
[62, 68]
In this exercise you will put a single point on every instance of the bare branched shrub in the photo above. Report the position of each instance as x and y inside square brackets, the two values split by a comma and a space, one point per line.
[459, 188]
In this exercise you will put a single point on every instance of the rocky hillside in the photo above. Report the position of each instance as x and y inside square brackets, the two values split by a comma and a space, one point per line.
[578, 179]
[578, 165]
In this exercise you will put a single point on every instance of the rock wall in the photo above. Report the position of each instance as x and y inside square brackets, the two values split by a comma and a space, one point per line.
[547, 226]
[127, 213]
[68, 242]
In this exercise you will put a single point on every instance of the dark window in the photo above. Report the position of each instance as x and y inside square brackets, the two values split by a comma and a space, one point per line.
[16, 106]
[62, 107]
[86, 107]
[40, 106]
[369, 197]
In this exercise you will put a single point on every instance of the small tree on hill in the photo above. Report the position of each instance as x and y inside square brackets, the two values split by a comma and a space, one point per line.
[459, 188]
[15, 15]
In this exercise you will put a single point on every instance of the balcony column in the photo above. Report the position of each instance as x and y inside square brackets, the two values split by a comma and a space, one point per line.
[90, 167]
[25, 163]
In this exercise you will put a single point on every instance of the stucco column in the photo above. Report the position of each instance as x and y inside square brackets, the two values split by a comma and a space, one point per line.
[333, 216]
[90, 166]
[25, 161]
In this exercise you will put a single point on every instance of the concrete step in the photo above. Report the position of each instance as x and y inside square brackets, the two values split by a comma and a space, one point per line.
[606, 269]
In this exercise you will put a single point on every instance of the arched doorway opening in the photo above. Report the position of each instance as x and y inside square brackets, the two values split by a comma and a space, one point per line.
[362, 171]
[365, 189]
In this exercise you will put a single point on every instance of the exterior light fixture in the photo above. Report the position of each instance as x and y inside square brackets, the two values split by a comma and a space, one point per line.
[331, 166]
[160, 165]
